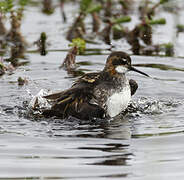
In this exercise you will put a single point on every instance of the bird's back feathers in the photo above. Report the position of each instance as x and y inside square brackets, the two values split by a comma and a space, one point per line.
[75, 101]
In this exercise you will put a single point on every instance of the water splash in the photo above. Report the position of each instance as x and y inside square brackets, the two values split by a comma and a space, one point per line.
[151, 106]
[38, 102]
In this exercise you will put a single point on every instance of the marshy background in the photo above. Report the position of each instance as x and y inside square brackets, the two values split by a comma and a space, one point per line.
[35, 39]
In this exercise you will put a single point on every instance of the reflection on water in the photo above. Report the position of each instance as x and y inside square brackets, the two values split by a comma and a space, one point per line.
[86, 157]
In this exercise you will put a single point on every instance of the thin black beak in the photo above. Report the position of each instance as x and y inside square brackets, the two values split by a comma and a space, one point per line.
[136, 70]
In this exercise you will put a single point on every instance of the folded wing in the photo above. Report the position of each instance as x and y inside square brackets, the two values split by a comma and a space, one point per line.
[76, 100]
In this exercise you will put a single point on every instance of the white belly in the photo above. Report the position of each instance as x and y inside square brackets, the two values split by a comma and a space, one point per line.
[118, 102]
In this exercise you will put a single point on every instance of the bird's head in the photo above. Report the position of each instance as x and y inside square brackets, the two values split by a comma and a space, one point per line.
[119, 62]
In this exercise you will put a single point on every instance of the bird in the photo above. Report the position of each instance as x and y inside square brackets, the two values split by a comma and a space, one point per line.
[103, 94]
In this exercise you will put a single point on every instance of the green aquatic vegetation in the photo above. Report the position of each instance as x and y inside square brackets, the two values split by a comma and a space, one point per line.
[15, 36]
[43, 38]
[110, 14]
[21, 81]
[89, 7]
[13, 11]
[3, 30]
[84, 5]
[132, 38]
[94, 8]
[163, 1]
[47, 7]
[23, 3]
[78, 47]
[78, 30]
[41, 43]
[106, 12]
[80, 44]
[126, 6]
[6, 6]
[161, 21]
[179, 28]
[119, 31]
[147, 8]
[143, 30]
[145, 33]
[120, 20]
[106, 32]
[1, 65]
[169, 49]
[2, 69]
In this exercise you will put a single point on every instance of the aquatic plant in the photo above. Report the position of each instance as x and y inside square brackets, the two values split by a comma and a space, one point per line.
[2, 69]
[169, 49]
[147, 8]
[107, 13]
[78, 27]
[2, 26]
[179, 28]
[13, 10]
[3, 30]
[80, 44]
[78, 47]
[62, 10]
[21, 81]
[47, 7]
[143, 31]
[106, 32]
[126, 6]
[41, 43]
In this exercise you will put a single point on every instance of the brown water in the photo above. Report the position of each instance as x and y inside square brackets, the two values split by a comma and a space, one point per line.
[146, 144]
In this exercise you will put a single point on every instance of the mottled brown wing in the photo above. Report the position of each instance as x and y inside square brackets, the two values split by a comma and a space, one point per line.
[89, 78]
[77, 88]
[83, 82]
[75, 102]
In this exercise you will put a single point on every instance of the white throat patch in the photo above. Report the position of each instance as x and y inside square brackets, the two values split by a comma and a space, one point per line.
[121, 69]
